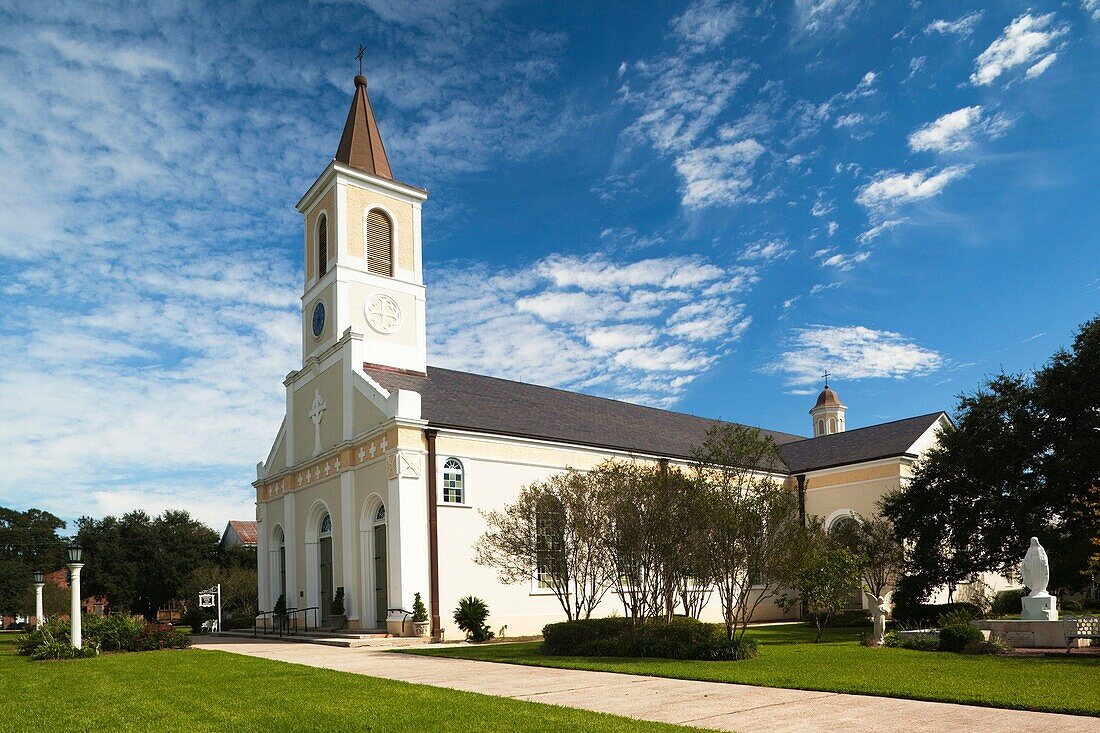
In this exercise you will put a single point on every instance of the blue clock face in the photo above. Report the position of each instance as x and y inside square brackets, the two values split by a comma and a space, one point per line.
[318, 319]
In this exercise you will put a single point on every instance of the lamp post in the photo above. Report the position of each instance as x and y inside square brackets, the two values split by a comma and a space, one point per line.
[39, 578]
[75, 552]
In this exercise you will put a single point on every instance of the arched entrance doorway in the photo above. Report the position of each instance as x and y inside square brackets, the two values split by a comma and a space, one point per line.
[843, 529]
[381, 568]
[324, 555]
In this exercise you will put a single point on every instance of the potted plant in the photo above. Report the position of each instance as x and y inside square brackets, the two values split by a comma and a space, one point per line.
[336, 616]
[279, 613]
[420, 617]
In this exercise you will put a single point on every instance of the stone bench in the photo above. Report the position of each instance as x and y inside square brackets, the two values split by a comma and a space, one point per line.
[1080, 627]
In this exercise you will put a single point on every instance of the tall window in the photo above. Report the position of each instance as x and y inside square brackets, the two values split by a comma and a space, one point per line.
[548, 542]
[454, 489]
[322, 246]
[379, 243]
[832, 425]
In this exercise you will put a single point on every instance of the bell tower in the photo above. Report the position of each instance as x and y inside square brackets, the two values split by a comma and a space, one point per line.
[362, 245]
[828, 413]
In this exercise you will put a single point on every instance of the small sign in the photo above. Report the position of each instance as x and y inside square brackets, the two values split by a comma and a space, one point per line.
[206, 600]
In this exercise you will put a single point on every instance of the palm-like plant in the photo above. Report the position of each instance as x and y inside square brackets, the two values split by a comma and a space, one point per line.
[470, 617]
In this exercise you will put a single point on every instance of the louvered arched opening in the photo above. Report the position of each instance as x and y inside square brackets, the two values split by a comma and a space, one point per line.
[322, 246]
[379, 243]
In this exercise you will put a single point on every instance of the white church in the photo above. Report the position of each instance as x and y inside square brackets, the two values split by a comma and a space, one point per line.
[380, 467]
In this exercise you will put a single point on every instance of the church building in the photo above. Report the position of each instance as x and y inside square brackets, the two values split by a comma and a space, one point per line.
[379, 472]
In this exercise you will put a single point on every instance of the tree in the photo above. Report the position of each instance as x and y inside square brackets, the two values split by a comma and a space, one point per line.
[1021, 462]
[28, 542]
[874, 542]
[142, 563]
[828, 570]
[553, 530]
[751, 522]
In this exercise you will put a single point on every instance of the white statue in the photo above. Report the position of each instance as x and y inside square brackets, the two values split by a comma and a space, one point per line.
[1035, 569]
[879, 608]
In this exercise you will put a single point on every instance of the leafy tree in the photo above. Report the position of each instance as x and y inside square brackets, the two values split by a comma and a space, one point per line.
[874, 542]
[750, 522]
[28, 542]
[555, 528]
[1021, 462]
[827, 571]
[142, 563]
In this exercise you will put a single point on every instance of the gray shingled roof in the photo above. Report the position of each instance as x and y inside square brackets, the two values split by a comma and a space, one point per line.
[453, 399]
[885, 440]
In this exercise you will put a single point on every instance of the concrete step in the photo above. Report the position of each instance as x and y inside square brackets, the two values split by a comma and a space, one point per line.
[348, 639]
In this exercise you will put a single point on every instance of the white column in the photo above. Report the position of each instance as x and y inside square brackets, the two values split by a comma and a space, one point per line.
[407, 525]
[292, 540]
[38, 604]
[263, 559]
[348, 535]
[74, 606]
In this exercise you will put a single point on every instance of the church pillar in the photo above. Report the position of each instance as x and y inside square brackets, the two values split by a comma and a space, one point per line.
[293, 541]
[348, 534]
[408, 527]
[263, 561]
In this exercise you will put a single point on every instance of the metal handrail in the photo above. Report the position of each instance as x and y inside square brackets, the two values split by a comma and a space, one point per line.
[405, 611]
[289, 621]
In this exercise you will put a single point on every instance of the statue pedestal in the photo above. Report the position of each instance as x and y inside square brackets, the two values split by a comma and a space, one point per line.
[1039, 607]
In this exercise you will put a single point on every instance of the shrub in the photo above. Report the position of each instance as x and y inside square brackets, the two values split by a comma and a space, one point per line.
[925, 614]
[955, 637]
[917, 642]
[1007, 601]
[336, 607]
[420, 614]
[991, 646]
[681, 638]
[193, 617]
[470, 617]
[852, 619]
[113, 633]
[1072, 606]
[956, 617]
[160, 636]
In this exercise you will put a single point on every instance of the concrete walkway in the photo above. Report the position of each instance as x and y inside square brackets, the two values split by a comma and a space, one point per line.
[716, 705]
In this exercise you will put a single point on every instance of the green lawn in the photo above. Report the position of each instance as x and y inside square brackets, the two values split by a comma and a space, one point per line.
[197, 691]
[840, 664]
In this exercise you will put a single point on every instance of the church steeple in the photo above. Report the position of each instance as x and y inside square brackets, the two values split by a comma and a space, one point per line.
[828, 413]
[361, 144]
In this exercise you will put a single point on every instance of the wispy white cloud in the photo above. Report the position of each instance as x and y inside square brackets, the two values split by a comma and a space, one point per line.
[824, 16]
[636, 330]
[962, 26]
[1023, 41]
[767, 250]
[890, 190]
[957, 130]
[853, 352]
[1041, 65]
[707, 23]
[879, 229]
[842, 261]
[1092, 7]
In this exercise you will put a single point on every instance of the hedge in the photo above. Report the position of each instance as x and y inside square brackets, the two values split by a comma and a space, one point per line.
[681, 638]
[925, 614]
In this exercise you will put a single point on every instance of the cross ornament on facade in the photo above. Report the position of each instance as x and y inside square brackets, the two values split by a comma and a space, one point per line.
[372, 450]
[362, 453]
[316, 412]
[383, 443]
[336, 464]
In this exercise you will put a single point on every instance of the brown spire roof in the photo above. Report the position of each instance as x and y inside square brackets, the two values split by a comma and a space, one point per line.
[361, 144]
[827, 398]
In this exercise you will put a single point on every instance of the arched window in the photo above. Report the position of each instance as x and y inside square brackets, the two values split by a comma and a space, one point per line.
[379, 243]
[380, 515]
[326, 525]
[820, 427]
[832, 425]
[322, 246]
[454, 488]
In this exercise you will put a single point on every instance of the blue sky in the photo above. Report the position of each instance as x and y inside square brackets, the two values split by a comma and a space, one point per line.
[695, 205]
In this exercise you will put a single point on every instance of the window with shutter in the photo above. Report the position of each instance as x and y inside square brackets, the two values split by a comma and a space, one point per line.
[379, 243]
[322, 246]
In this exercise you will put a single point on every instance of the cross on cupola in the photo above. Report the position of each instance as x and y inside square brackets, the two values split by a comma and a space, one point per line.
[316, 413]
[826, 375]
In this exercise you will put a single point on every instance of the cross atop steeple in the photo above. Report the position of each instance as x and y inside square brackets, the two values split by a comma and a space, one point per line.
[359, 57]
[826, 375]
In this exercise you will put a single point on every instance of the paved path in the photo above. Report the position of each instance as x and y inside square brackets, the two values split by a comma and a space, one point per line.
[716, 705]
